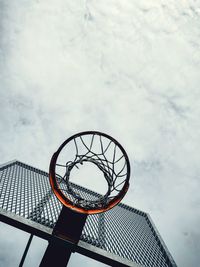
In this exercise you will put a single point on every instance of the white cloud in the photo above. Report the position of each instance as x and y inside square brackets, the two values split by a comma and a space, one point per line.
[127, 68]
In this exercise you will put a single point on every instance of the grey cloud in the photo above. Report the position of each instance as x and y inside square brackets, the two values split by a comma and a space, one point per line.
[128, 69]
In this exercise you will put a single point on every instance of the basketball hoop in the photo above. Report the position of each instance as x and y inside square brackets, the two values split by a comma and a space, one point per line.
[104, 152]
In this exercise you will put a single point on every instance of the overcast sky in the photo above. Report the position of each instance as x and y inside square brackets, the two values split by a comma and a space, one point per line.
[128, 68]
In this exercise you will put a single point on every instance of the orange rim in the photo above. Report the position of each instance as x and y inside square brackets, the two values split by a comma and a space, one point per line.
[67, 202]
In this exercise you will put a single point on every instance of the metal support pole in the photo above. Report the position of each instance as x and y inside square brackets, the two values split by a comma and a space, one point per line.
[68, 227]
[56, 254]
[26, 251]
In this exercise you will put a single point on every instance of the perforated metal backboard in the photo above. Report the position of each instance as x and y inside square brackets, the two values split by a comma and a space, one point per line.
[122, 236]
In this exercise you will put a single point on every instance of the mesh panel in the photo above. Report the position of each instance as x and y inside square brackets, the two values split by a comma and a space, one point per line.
[124, 231]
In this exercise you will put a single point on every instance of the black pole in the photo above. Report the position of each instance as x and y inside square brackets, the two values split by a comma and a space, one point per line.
[56, 254]
[25, 251]
[68, 227]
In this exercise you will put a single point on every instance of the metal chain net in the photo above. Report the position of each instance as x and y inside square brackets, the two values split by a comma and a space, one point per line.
[110, 161]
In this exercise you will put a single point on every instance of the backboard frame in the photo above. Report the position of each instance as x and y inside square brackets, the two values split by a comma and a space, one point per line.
[25, 173]
[82, 247]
